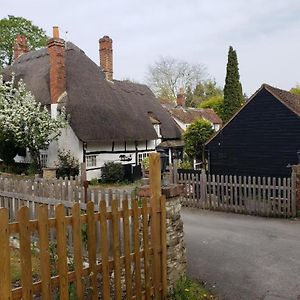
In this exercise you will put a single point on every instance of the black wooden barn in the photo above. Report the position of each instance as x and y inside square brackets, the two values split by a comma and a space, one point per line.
[261, 139]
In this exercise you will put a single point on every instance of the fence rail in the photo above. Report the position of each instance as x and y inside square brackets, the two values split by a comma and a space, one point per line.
[102, 250]
[264, 196]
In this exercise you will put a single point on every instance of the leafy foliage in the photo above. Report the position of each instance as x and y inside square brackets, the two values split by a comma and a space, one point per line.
[10, 27]
[295, 90]
[215, 103]
[167, 75]
[195, 136]
[202, 92]
[112, 172]
[23, 120]
[67, 164]
[233, 94]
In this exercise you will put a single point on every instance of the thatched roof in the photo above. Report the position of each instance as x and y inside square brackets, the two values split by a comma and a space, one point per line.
[100, 110]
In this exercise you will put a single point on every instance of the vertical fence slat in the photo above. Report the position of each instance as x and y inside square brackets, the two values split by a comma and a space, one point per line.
[104, 250]
[5, 279]
[137, 257]
[92, 248]
[43, 228]
[77, 248]
[146, 248]
[126, 234]
[116, 249]
[25, 253]
[62, 251]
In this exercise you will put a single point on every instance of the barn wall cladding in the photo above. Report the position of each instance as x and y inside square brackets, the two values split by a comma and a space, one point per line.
[261, 140]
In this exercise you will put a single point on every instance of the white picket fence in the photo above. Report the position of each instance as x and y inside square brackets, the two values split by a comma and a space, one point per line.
[265, 196]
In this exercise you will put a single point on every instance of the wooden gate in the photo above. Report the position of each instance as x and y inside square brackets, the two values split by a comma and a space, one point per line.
[129, 264]
[264, 196]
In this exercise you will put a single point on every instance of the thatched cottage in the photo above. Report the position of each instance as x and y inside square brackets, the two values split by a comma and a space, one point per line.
[110, 120]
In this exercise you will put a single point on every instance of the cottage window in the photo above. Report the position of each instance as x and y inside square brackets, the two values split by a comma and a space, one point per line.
[91, 161]
[44, 160]
[142, 156]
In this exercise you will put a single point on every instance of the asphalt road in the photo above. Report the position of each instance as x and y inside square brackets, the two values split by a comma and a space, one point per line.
[244, 257]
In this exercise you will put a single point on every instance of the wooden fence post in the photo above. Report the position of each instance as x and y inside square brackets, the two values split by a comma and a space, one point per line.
[155, 192]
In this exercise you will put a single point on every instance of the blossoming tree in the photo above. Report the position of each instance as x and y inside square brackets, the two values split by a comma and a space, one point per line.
[25, 121]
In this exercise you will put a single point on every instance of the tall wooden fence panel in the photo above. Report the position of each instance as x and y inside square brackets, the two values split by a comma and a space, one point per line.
[63, 270]
[265, 196]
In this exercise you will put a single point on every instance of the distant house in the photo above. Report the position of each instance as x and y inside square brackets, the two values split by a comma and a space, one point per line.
[262, 139]
[110, 120]
[185, 116]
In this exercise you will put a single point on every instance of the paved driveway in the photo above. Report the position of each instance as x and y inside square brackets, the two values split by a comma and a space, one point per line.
[244, 257]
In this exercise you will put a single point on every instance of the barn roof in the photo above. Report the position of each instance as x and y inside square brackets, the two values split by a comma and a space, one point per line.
[99, 110]
[291, 101]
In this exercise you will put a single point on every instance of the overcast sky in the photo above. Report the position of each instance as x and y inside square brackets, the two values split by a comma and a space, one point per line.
[265, 33]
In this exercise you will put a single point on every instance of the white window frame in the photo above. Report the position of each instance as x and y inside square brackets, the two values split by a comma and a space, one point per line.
[91, 161]
[44, 159]
[142, 156]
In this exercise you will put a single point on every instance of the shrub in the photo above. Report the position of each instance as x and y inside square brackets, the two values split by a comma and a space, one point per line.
[94, 181]
[67, 165]
[146, 163]
[185, 165]
[112, 172]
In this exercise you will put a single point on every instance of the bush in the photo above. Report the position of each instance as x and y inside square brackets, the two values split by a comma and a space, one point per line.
[215, 103]
[186, 164]
[112, 172]
[67, 165]
[94, 181]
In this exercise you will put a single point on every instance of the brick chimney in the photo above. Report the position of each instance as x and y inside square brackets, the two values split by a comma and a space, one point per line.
[56, 51]
[106, 56]
[20, 46]
[181, 98]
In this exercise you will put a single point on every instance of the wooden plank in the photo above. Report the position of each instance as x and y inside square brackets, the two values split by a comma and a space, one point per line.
[274, 206]
[25, 253]
[285, 198]
[235, 194]
[43, 228]
[245, 195]
[214, 195]
[137, 257]
[62, 251]
[155, 189]
[264, 193]
[104, 250]
[259, 203]
[226, 185]
[254, 196]
[164, 246]
[126, 236]
[116, 249]
[147, 269]
[5, 278]
[77, 248]
[218, 198]
[293, 194]
[280, 201]
[269, 202]
[92, 248]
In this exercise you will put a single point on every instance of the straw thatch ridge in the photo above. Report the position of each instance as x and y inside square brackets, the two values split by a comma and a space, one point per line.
[99, 110]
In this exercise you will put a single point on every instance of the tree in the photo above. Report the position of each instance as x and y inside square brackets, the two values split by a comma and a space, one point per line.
[233, 94]
[9, 29]
[8, 149]
[215, 103]
[203, 91]
[295, 90]
[167, 75]
[24, 120]
[195, 137]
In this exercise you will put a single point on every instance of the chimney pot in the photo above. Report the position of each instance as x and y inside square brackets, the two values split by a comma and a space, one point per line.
[106, 56]
[55, 32]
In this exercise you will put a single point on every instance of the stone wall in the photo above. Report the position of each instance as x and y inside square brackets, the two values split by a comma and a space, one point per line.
[176, 252]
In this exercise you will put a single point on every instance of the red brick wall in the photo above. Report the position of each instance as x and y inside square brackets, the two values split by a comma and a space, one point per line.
[56, 51]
